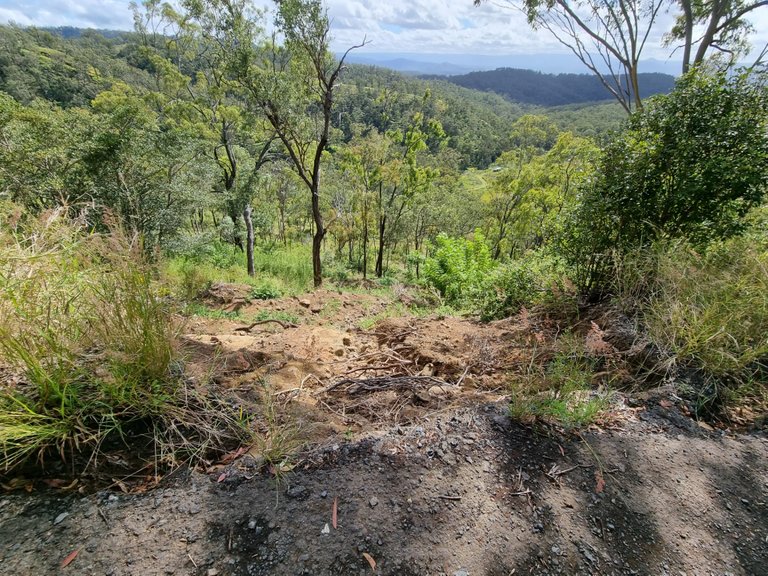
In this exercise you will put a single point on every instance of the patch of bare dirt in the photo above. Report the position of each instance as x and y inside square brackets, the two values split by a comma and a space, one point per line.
[413, 466]
[464, 492]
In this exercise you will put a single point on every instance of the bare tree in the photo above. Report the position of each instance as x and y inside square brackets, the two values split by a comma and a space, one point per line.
[608, 36]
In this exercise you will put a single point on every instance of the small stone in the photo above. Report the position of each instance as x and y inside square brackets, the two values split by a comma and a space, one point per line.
[305, 303]
[297, 492]
[252, 524]
[461, 572]
[60, 518]
[212, 572]
[373, 502]
[324, 494]
[326, 529]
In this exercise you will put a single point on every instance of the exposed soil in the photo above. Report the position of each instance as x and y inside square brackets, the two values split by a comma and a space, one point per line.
[408, 438]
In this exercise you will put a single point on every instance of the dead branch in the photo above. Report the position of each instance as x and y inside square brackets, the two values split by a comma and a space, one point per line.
[379, 383]
[371, 369]
[250, 327]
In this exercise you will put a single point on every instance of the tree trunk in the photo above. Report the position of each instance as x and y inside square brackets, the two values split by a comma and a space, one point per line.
[635, 87]
[688, 42]
[249, 239]
[365, 247]
[317, 238]
[317, 266]
[281, 224]
[380, 255]
[709, 34]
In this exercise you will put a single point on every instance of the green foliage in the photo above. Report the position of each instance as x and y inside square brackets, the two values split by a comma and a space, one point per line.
[70, 71]
[710, 311]
[596, 121]
[457, 267]
[506, 289]
[203, 249]
[560, 391]
[290, 266]
[531, 87]
[689, 166]
[477, 124]
[203, 311]
[264, 291]
[90, 341]
[534, 189]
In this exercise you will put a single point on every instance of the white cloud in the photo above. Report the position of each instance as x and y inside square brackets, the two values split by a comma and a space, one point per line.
[83, 13]
[426, 26]
[11, 15]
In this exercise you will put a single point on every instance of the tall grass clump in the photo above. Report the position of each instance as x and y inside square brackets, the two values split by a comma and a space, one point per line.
[557, 386]
[709, 310]
[290, 266]
[87, 347]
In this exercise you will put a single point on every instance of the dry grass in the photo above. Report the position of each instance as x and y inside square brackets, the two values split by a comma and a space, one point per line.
[87, 343]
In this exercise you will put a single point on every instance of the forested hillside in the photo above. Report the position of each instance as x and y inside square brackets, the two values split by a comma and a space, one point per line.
[530, 87]
[69, 67]
[211, 235]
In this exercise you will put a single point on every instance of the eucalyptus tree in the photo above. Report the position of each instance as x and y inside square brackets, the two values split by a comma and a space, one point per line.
[609, 36]
[191, 53]
[292, 85]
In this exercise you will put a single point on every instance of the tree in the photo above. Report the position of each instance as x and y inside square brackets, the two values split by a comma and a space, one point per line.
[41, 152]
[724, 26]
[191, 43]
[608, 36]
[143, 166]
[402, 176]
[292, 85]
[362, 160]
[689, 166]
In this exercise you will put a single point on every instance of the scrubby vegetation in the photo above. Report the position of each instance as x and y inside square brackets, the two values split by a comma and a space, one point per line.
[178, 162]
[87, 345]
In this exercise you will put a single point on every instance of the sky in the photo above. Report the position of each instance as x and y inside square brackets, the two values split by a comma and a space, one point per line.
[396, 26]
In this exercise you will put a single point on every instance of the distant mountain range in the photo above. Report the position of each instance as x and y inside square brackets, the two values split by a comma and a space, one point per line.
[530, 87]
[455, 64]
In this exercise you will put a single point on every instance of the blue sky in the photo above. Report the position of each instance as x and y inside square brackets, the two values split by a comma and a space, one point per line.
[413, 26]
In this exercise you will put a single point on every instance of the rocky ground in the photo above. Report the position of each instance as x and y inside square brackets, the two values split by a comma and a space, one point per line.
[410, 466]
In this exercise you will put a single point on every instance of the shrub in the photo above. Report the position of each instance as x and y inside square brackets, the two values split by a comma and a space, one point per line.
[265, 291]
[506, 290]
[457, 267]
[537, 279]
[690, 165]
[206, 248]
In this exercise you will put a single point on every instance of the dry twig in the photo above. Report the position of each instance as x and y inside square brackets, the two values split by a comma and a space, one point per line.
[250, 327]
[378, 383]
